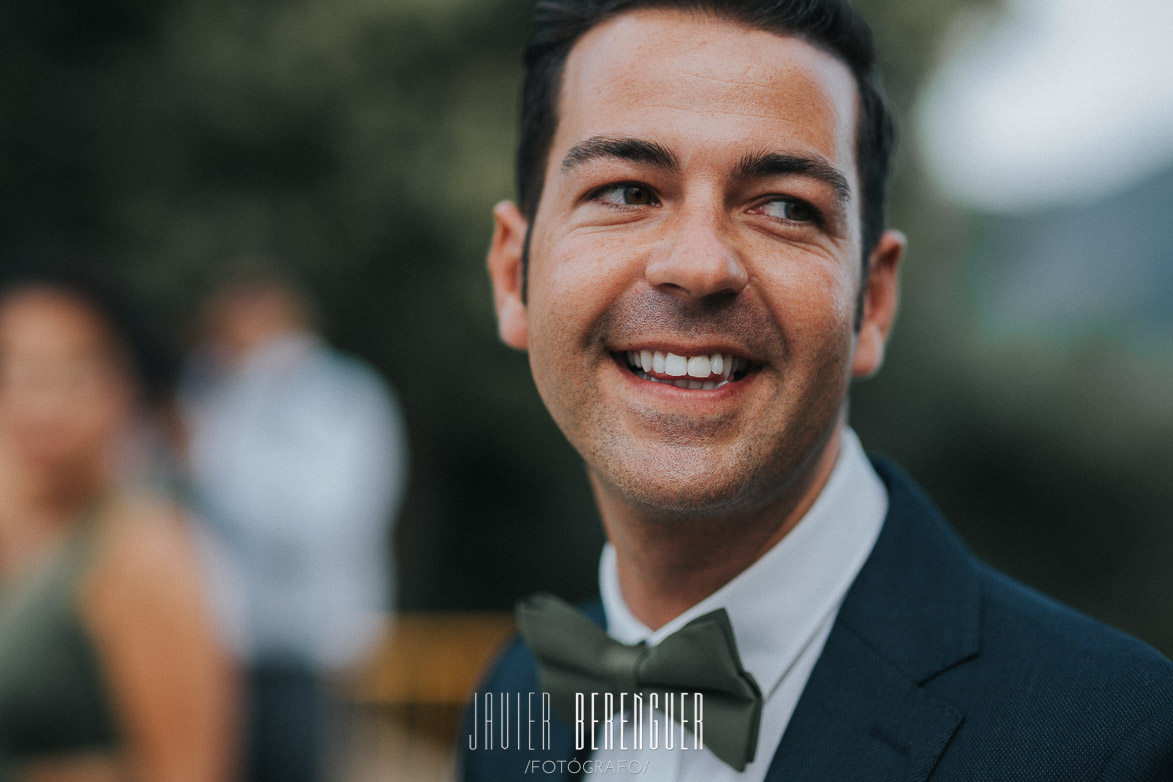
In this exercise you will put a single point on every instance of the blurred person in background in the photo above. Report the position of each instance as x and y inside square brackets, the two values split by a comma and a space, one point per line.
[111, 667]
[297, 458]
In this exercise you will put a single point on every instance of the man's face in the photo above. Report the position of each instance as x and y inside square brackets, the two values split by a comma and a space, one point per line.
[694, 262]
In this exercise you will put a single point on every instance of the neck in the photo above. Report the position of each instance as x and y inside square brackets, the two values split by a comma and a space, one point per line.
[668, 565]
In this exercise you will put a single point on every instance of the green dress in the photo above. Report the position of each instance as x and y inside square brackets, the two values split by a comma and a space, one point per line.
[53, 697]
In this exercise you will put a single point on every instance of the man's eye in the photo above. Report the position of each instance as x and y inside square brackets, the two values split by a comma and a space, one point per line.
[627, 195]
[790, 210]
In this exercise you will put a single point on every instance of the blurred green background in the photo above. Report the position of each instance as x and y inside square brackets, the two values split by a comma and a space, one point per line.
[364, 143]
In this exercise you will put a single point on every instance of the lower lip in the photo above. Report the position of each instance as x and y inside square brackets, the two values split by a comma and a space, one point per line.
[669, 392]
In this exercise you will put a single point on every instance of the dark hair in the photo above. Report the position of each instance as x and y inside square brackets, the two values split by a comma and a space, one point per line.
[832, 25]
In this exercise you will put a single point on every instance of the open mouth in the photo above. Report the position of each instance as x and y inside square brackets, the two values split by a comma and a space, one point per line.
[702, 372]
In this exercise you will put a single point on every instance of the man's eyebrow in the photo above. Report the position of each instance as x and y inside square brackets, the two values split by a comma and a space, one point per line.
[766, 164]
[631, 149]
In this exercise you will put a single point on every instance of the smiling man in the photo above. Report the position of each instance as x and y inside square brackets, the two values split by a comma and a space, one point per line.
[697, 270]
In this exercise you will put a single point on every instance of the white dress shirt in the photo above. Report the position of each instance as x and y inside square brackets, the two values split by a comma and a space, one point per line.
[781, 609]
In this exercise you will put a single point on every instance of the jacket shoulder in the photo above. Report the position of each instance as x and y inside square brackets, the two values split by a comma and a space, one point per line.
[1037, 640]
[1059, 690]
[1046, 692]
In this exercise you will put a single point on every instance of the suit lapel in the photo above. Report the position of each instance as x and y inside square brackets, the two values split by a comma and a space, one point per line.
[868, 711]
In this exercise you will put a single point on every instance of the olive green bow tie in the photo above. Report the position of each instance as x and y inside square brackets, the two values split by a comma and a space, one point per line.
[576, 656]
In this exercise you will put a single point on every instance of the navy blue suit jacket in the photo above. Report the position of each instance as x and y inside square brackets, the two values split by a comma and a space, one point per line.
[938, 668]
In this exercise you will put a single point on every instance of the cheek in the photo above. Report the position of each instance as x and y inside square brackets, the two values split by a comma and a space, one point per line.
[578, 279]
[60, 420]
[812, 300]
[106, 415]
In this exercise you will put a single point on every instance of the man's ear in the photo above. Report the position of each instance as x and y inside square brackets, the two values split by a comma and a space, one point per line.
[509, 228]
[879, 304]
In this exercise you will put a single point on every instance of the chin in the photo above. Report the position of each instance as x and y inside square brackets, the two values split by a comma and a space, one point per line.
[690, 488]
[690, 506]
[698, 480]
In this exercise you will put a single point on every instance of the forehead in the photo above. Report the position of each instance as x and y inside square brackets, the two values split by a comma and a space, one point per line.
[704, 84]
[45, 321]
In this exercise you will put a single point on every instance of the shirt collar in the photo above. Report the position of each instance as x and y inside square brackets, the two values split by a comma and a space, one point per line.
[778, 604]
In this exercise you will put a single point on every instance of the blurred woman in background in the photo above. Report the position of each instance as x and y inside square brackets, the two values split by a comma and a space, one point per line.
[110, 663]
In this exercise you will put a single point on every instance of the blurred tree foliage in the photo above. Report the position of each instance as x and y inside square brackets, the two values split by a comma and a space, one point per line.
[364, 143]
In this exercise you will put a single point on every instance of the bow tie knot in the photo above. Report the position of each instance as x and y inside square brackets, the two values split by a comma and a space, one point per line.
[621, 664]
[576, 657]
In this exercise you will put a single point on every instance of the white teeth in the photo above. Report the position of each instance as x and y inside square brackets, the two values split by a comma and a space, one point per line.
[699, 366]
[675, 366]
[645, 360]
[686, 383]
[691, 368]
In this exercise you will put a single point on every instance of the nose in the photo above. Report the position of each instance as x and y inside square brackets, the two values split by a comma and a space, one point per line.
[699, 259]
